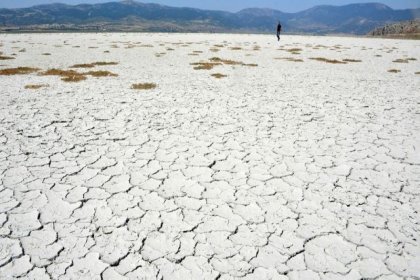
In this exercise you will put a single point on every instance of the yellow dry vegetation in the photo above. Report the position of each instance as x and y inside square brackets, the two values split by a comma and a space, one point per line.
[18, 71]
[144, 86]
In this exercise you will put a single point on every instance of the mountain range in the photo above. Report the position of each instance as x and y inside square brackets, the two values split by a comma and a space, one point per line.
[136, 16]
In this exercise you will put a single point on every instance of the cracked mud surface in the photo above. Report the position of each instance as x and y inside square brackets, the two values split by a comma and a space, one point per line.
[282, 171]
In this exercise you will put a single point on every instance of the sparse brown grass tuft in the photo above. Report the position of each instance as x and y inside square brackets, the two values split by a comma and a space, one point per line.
[83, 66]
[236, 48]
[46, 54]
[218, 75]
[59, 72]
[214, 50]
[250, 64]
[417, 73]
[101, 74]
[292, 59]
[215, 61]
[18, 71]
[351, 60]
[36, 86]
[401, 60]
[294, 51]
[205, 65]
[6, 57]
[326, 60]
[91, 65]
[73, 78]
[160, 54]
[412, 58]
[394, 71]
[144, 86]
[67, 75]
[102, 63]
[225, 61]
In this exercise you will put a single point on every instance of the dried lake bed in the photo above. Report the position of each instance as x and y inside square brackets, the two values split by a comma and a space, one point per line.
[209, 156]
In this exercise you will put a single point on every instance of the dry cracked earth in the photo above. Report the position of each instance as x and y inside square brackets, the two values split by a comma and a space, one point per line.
[287, 167]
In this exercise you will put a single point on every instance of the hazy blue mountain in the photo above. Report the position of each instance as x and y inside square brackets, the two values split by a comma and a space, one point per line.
[354, 18]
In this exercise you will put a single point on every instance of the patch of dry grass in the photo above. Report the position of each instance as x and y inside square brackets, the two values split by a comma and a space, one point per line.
[103, 63]
[214, 50]
[401, 60]
[83, 66]
[295, 51]
[160, 54]
[30, 86]
[292, 59]
[205, 65]
[144, 86]
[101, 74]
[394, 71]
[218, 75]
[417, 73]
[46, 54]
[250, 64]
[6, 57]
[66, 75]
[18, 71]
[351, 60]
[91, 65]
[215, 61]
[73, 78]
[235, 48]
[326, 60]
[226, 61]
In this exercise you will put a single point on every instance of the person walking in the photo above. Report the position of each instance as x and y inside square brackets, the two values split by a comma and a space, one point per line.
[278, 31]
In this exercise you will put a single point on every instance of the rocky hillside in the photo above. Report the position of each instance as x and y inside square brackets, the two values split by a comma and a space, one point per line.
[407, 29]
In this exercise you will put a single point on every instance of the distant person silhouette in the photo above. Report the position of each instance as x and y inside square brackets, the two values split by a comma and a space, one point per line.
[278, 31]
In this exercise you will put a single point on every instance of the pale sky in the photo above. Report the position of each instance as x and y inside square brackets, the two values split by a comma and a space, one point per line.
[227, 5]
